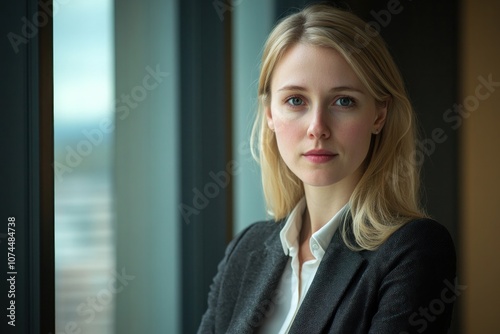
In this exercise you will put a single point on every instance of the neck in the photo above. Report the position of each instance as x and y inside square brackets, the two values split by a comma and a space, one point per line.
[324, 202]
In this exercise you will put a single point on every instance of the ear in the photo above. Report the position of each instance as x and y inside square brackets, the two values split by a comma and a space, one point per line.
[381, 117]
[269, 117]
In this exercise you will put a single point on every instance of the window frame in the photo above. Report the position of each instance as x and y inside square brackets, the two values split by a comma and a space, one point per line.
[27, 152]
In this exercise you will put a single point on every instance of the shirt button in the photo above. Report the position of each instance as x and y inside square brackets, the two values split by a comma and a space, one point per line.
[315, 246]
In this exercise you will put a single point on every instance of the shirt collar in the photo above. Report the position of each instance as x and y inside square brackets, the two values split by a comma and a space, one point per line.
[320, 240]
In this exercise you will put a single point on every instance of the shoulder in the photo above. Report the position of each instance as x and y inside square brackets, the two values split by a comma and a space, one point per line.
[421, 241]
[256, 235]
[423, 234]
[260, 228]
[408, 274]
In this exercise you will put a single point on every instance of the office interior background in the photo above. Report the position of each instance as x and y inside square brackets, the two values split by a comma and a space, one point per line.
[153, 106]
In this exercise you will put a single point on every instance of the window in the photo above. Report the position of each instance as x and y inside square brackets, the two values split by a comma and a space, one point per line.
[83, 121]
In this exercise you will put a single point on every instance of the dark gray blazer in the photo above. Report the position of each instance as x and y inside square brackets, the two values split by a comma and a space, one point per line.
[407, 285]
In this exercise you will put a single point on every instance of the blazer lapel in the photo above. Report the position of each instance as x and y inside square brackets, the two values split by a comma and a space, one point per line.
[259, 285]
[337, 269]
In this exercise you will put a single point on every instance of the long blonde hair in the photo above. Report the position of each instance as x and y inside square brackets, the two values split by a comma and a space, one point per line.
[387, 195]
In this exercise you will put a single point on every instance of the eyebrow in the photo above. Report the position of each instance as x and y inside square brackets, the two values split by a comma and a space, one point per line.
[334, 89]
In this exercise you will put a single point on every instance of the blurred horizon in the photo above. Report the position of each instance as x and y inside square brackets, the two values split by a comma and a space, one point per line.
[83, 102]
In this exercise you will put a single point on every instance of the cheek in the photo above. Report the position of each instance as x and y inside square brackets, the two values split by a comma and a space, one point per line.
[289, 135]
[356, 136]
[287, 130]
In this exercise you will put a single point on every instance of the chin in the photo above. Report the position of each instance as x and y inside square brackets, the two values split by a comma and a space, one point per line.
[320, 181]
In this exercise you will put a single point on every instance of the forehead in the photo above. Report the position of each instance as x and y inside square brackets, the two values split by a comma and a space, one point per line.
[313, 67]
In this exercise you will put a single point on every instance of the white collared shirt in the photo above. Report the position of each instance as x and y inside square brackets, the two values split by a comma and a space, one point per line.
[292, 288]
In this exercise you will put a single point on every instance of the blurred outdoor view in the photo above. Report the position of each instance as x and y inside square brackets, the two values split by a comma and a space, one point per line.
[83, 126]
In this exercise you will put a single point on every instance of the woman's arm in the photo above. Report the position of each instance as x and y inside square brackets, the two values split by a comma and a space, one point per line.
[420, 287]
[208, 320]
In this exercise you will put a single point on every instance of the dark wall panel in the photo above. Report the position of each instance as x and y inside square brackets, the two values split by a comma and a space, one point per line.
[26, 175]
[205, 149]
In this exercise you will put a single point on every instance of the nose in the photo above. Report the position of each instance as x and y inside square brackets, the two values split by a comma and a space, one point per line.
[318, 126]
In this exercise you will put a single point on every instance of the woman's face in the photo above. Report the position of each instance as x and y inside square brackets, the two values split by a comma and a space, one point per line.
[322, 115]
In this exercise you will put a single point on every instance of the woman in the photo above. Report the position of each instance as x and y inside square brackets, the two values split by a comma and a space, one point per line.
[349, 249]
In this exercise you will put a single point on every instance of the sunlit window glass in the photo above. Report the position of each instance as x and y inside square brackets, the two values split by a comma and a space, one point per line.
[83, 122]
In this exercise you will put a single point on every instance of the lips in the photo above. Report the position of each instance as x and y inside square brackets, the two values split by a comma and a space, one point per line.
[319, 156]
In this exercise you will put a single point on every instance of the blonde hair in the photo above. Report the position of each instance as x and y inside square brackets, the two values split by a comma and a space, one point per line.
[387, 195]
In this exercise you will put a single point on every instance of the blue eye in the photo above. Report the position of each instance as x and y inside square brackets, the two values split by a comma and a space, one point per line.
[344, 101]
[295, 101]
